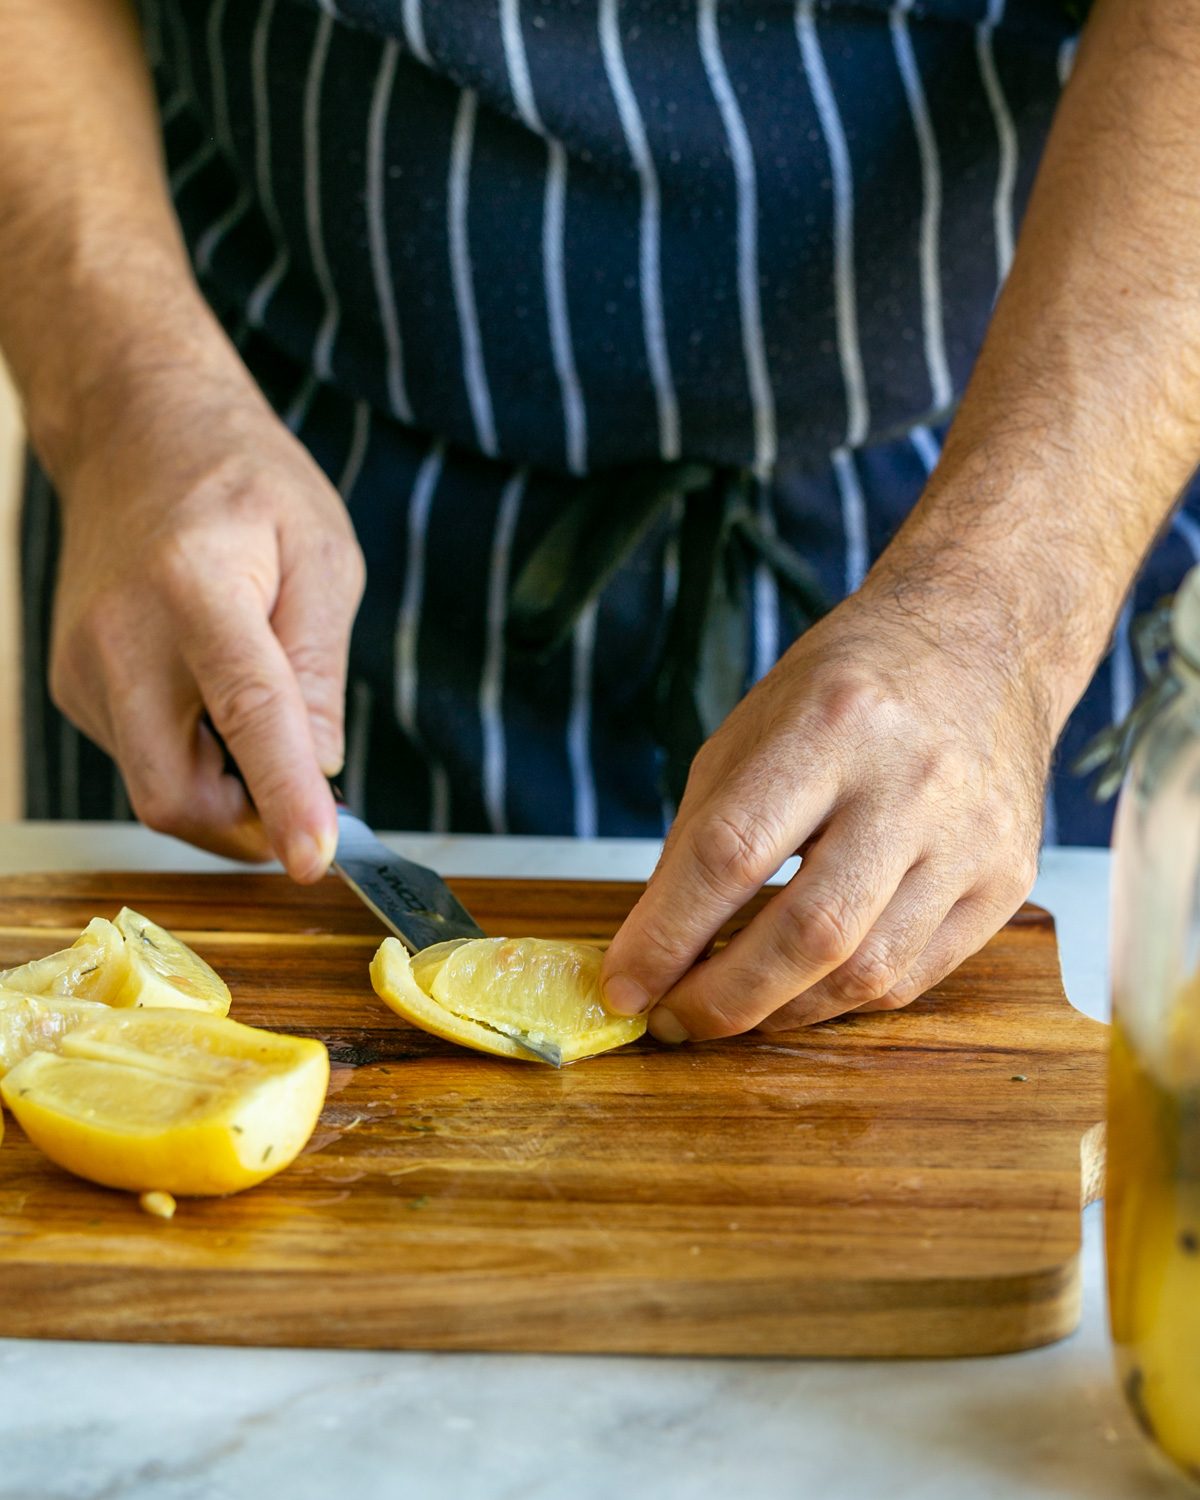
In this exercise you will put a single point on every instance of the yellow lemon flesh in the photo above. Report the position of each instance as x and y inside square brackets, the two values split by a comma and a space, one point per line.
[488, 993]
[38, 1023]
[95, 967]
[170, 1101]
[165, 972]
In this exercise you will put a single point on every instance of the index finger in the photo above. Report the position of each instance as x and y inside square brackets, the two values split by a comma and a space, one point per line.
[254, 700]
[720, 856]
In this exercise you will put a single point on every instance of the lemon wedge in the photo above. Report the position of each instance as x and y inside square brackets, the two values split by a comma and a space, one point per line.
[489, 993]
[95, 967]
[164, 971]
[170, 1101]
[131, 961]
[38, 1023]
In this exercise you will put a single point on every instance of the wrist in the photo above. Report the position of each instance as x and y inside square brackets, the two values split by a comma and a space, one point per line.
[1023, 585]
[119, 363]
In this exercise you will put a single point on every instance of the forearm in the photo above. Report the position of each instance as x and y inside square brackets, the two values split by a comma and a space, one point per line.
[97, 299]
[1082, 420]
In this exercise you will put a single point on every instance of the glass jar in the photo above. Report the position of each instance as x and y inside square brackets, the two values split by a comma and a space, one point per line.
[1152, 1198]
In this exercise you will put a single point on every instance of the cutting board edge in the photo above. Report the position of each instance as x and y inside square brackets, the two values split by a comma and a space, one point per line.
[1020, 1313]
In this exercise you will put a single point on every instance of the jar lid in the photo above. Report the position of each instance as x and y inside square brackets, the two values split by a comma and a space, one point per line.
[1185, 619]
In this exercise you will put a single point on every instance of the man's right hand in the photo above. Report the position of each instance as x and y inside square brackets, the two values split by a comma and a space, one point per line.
[208, 566]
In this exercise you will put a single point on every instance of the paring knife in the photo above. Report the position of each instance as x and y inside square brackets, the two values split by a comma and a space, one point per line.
[415, 902]
[412, 900]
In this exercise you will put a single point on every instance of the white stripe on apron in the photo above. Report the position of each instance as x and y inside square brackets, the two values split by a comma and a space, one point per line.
[381, 265]
[553, 214]
[761, 395]
[849, 350]
[360, 437]
[457, 203]
[854, 518]
[927, 447]
[414, 31]
[322, 355]
[408, 627]
[206, 245]
[649, 231]
[940, 384]
[195, 163]
[491, 682]
[256, 306]
[766, 595]
[1006, 137]
[579, 724]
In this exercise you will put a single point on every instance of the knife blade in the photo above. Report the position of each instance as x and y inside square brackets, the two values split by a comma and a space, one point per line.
[411, 899]
[416, 904]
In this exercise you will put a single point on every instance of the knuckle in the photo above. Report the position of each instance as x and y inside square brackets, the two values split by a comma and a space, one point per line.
[314, 665]
[245, 704]
[867, 976]
[820, 930]
[735, 851]
[786, 1018]
[724, 1014]
[1015, 881]
[156, 807]
[906, 990]
[896, 998]
[660, 949]
[174, 564]
[855, 703]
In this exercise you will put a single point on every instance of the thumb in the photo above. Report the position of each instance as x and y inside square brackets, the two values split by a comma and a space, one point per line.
[312, 620]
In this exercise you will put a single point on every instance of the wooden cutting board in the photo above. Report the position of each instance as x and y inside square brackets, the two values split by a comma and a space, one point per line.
[899, 1184]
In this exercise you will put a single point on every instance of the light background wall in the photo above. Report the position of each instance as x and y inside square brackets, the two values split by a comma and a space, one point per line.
[10, 739]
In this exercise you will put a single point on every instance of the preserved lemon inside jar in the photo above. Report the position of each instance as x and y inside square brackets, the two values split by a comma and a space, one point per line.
[1152, 1225]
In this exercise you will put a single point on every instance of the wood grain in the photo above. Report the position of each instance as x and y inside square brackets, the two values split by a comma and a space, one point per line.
[898, 1184]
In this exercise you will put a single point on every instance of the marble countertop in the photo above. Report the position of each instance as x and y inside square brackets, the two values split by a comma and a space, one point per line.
[123, 1422]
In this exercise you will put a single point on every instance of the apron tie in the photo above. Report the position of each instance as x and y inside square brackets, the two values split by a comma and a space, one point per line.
[702, 668]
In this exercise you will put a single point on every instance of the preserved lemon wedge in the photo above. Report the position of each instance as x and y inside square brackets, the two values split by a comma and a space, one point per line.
[38, 1023]
[130, 962]
[489, 993]
[170, 1101]
[95, 967]
[164, 971]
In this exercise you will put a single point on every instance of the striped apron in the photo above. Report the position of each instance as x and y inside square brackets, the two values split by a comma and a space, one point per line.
[475, 251]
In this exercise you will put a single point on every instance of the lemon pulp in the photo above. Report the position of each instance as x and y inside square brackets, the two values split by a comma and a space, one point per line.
[38, 1023]
[173, 1101]
[489, 993]
[163, 971]
[95, 967]
[131, 961]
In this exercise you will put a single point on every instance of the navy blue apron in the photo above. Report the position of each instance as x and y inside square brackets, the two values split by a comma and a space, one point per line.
[475, 252]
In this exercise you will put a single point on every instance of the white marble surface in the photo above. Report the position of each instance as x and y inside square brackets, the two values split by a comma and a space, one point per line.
[115, 1422]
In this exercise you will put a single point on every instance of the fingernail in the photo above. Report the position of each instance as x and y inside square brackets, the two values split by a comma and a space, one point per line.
[307, 857]
[327, 846]
[664, 1024]
[625, 996]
